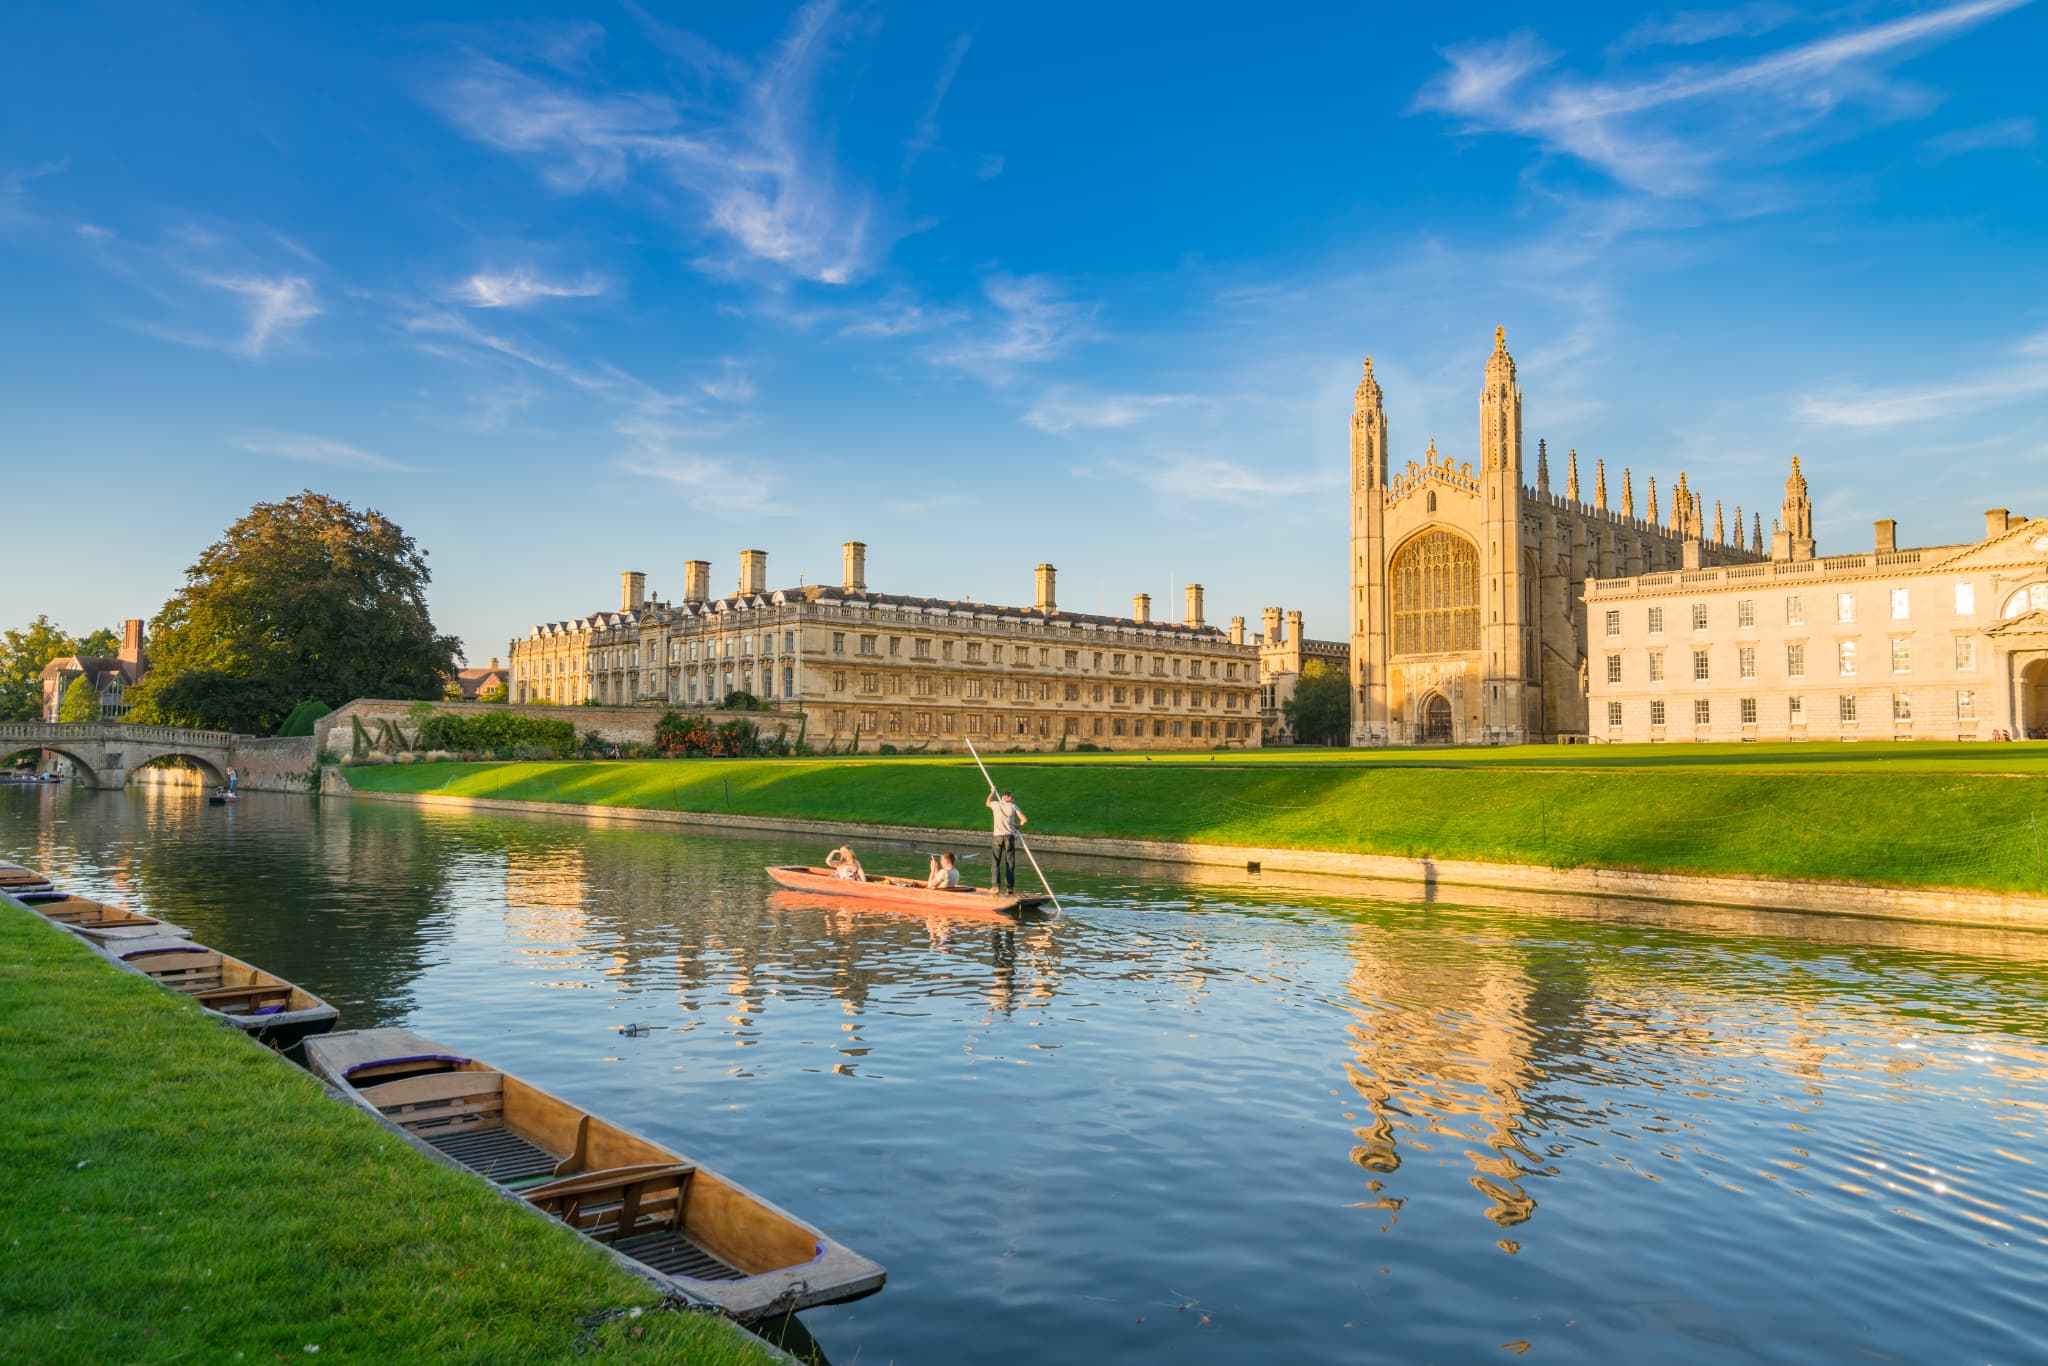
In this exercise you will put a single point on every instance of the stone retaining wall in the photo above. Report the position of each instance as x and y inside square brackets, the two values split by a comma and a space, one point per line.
[1421, 876]
[617, 725]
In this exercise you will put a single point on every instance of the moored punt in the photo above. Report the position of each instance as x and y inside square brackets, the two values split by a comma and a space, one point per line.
[714, 1240]
[101, 923]
[16, 881]
[902, 891]
[265, 1007]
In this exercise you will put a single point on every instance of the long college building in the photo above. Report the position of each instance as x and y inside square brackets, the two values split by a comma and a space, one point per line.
[867, 668]
[1941, 642]
[1467, 619]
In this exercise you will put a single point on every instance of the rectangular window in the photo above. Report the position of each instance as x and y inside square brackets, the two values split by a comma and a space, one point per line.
[1845, 607]
[1702, 711]
[838, 644]
[867, 645]
[871, 683]
[1966, 706]
[1614, 713]
[1845, 658]
[838, 680]
[1848, 706]
[1745, 612]
[1966, 599]
[789, 641]
[974, 652]
[1902, 654]
[1656, 621]
[1795, 610]
[789, 680]
[1902, 604]
[1699, 666]
[1116, 695]
[1656, 666]
[974, 723]
[924, 685]
[945, 649]
[1796, 708]
[1902, 706]
[1657, 712]
[1614, 668]
[1159, 697]
[1966, 654]
[1699, 616]
[895, 646]
[1745, 661]
[1749, 711]
[921, 648]
[1614, 622]
[995, 654]
[1098, 725]
[1795, 660]
[1073, 692]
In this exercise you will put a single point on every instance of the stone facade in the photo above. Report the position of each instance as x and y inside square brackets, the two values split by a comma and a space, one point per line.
[1283, 649]
[867, 668]
[1940, 643]
[110, 678]
[1467, 583]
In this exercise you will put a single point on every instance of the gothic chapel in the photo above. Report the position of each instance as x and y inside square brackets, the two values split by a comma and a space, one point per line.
[1467, 608]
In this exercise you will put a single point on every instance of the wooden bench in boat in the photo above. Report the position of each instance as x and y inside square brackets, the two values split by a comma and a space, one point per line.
[252, 1000]
[191, 968]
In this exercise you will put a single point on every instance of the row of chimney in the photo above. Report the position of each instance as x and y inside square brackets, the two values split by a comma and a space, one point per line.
[754, 580]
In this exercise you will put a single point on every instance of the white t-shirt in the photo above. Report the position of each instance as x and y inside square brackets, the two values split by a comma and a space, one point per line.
[945, 878]
[1008, 817]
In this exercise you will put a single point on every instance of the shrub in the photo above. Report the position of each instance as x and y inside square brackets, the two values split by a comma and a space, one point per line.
[735, 739]
[301, 718]
[676, 734]
[496, 733]
[740, 700]
[885, 749]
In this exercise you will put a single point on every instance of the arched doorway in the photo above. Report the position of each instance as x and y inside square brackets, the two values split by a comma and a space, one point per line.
[2034, 700]
[1436, 719]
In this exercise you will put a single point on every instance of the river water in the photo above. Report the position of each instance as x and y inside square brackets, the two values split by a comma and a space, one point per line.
[1212, 1119]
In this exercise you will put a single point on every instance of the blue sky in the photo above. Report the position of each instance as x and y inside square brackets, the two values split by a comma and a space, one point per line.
[569, 291]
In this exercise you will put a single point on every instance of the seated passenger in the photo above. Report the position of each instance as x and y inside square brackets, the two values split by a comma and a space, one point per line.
[945, 874]
[844, 865]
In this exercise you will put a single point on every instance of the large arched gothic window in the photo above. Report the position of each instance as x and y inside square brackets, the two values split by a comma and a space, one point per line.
[1436, 595]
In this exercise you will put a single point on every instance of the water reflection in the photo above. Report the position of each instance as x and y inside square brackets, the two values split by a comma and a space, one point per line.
[1223, 1118]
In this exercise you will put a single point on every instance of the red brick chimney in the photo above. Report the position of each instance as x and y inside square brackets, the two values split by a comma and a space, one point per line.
[131, 640]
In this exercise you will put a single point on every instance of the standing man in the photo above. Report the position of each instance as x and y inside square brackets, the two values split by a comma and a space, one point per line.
[1009, 820]
[231, 779]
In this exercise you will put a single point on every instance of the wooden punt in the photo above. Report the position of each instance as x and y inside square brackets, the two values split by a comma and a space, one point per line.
[262, 1006]
[713, 1239]
[101, 923]
[903, 891]
[16, 880]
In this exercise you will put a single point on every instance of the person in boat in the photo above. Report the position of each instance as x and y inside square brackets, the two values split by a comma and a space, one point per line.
[945, 874]
[231, 780]
[1009, 821]
[843, 864]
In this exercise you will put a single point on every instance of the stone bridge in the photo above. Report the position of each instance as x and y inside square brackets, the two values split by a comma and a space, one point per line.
[107, 754]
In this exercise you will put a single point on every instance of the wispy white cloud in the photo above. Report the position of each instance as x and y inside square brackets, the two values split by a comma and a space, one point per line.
[988, 166]
[517, 288]
[731, 385]
[319, 450]
[277, 306]
[673, 458]
[1188, 477]
[927, 135]
[1982, 137]
[1032, 321]
[1664, 132]
[1066, 410]
[2024, 376]
[763, 176]
[1691, 27]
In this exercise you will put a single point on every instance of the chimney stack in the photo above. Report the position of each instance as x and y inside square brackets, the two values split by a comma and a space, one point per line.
[1194, 617]
[856, 577]
[131, 640]
[1237, 630]
[1294, 627]
[753, 571]
[632, 590]
[1141, 607]
[1995, 522]
[1044, 602]
[697, 582]
[1887, 535]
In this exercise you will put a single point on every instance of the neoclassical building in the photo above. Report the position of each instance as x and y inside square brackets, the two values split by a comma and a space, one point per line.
[864, 668]
[1468, 621]
[1283, 650]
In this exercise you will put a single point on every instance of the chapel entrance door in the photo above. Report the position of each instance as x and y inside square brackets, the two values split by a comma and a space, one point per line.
[2034, 700]
[1436, 719]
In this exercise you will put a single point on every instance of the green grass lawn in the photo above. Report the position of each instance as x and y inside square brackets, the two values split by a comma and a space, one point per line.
[174, 1192]
[1908, 814]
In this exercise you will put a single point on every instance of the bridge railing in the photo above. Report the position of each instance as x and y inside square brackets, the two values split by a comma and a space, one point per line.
[111, 730]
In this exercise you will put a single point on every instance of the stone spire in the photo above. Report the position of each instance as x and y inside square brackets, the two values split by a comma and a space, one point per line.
[1368, 434]
[1542, 465]
[1738, 526]
[1628, 492]
[1756, 545]
[1795, 540]
[1571, 478]
[1653, 500]
[1500, 412]
[1600, 483]
[1720, 532]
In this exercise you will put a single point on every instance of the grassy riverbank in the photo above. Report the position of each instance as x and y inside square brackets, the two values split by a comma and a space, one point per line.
[1906, 814]
[175, 1192]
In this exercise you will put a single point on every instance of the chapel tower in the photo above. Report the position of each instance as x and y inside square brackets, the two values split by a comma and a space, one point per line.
[1368, 537]
[1506, 661]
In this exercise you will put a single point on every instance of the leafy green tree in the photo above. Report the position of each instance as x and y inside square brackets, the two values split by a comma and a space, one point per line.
[1320, 710]
[301, 718]
[495, 693]
[81, 702]
[302, 599]
[23, 653]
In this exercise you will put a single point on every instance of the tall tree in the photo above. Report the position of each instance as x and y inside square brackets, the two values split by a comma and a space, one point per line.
[302, 600]
[23, 653]
[1320, 710]
[81, 702]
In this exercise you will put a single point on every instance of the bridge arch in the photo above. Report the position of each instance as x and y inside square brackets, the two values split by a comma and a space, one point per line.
[84, 768]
